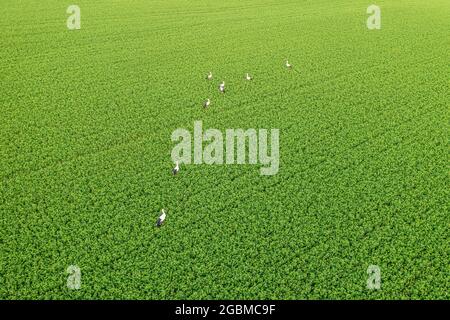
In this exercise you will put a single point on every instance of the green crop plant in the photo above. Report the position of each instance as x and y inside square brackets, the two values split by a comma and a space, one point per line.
[86, 117]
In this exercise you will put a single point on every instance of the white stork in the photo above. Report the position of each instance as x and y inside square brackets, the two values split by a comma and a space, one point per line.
[176, 169]
[207, 103]
[209, 76]
[161, 218]
[248, 77]
[288, 65]
[222, 87]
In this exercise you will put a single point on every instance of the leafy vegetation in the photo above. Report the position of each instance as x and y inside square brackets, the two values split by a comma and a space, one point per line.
[86, 118]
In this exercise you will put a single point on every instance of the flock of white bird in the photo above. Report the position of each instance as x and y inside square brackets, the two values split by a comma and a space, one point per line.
[206, 104]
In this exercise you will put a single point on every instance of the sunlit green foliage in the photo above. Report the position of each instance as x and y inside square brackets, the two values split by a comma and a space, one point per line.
[85, 124]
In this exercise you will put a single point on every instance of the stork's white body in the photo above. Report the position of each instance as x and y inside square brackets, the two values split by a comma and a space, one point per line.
[176, 169]
[209, 76]
[161, 218]
[222, 87]
[248, 77]
[207, 103]
[288, 65]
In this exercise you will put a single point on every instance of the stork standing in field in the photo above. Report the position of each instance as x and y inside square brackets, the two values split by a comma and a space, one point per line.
[161, 218]
[209, 76]
[288, 65]
[222, 87]
[248, 77]
[176, 169]
[207, 103]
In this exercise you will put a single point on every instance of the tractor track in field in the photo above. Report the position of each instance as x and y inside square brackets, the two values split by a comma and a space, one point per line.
[86, 148]
[142, 137]
[305, 172]
[314, 244]
[317, 164]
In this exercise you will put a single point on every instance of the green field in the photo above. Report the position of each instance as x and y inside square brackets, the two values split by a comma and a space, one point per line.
[85, 150]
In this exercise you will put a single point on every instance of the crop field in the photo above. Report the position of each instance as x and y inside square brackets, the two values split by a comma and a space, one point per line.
[87, 115]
